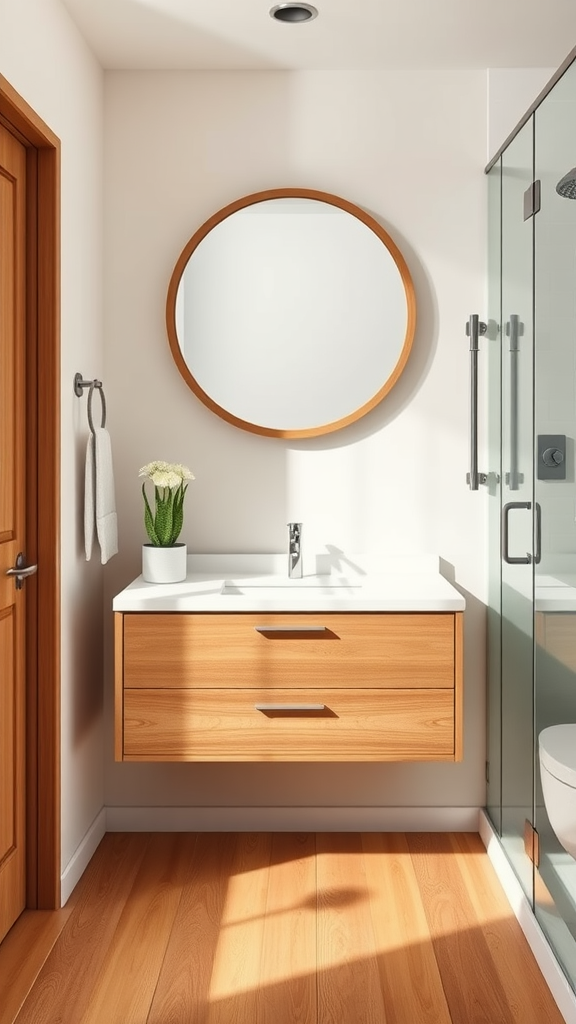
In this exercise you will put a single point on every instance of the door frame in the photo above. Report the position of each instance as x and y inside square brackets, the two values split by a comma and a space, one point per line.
[43, 496]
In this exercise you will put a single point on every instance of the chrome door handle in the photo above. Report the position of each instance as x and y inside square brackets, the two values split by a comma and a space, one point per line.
[538, 545]
[523, 559]
[20, 570]
[514, 330]
[474, 327]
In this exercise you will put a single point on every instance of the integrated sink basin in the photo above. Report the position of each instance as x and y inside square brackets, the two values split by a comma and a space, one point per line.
[276, 586]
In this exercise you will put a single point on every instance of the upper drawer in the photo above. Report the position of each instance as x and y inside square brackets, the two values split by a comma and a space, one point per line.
[308, 649]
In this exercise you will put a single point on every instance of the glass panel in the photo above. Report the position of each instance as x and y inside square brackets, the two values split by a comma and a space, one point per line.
[555, 491]
[491, 351]
[516, 342]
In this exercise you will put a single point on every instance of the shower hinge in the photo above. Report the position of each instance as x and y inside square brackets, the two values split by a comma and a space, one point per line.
[531, 842]
[487, 771]
[532, 199]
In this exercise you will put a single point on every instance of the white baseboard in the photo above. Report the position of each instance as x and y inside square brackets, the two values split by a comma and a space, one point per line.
[551, 970]
[292, 819]
[81, 858]
[263, 819]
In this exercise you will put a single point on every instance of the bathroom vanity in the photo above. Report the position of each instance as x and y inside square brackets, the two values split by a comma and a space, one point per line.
[239, 663]
[555, 614]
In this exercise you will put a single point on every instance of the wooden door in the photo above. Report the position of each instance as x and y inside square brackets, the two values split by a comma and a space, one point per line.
[12, 529]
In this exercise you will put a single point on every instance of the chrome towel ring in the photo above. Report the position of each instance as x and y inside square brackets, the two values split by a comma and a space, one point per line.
[79, 385]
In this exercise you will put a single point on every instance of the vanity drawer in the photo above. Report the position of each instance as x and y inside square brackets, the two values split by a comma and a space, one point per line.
[556, 634]
[219, 725]
[305, 649]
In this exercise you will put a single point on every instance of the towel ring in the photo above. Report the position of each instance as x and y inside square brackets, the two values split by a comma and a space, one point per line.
[98, 386]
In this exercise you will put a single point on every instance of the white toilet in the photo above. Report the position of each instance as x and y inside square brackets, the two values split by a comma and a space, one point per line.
[557, 748]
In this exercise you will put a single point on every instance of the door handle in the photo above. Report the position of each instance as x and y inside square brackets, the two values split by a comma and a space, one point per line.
[20, 570]
[538, 544]
[474, 327]
[514, 329]
[522, 560]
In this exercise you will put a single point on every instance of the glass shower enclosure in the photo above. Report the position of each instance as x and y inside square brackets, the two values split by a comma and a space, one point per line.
[531, 350]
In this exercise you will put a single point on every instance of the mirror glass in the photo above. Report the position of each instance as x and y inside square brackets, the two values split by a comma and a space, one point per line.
[291, 313]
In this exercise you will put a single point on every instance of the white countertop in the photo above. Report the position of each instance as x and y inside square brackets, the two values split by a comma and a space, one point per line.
[553, 587]
[331, 582]
[555, 592]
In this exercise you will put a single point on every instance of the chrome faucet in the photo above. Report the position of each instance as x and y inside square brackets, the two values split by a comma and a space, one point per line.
[294, 550]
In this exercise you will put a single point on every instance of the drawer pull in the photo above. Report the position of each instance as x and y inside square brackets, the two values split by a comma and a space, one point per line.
[290, 629]
[290, 707]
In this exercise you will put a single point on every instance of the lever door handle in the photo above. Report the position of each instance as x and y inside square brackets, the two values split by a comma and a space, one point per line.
[20, 570]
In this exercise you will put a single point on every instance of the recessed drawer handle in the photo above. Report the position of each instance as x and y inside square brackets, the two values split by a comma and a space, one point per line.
[290, 629]
[290, 707]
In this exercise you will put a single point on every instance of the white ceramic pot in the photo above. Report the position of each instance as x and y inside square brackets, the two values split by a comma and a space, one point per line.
[164, 565]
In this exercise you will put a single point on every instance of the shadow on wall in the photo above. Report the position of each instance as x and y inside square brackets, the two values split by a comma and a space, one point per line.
[475, 667]
[83, 635]
[175, 38]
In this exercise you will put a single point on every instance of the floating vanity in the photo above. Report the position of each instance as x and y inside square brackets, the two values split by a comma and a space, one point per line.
[555, 613]
[239, 663]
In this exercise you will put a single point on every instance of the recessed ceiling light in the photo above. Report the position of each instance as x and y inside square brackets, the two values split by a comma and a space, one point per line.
[293, 12]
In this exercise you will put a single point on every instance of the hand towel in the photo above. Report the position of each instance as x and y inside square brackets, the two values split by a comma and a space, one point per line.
[89, 498]
[99, 497]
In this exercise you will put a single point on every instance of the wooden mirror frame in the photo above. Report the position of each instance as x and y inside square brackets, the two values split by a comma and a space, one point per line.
[290, 193]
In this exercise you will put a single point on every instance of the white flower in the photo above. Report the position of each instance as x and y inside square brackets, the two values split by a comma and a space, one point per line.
[182, 471]
[166, 474]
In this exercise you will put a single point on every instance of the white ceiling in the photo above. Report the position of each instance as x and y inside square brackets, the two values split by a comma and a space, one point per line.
[347, 34]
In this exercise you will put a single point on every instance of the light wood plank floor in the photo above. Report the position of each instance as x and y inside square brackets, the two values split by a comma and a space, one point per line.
[277, 928]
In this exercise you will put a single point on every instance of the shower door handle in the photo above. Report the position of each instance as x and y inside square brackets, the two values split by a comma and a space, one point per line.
[513, 330]
[522, 559]
[474, 327]
[538, 542]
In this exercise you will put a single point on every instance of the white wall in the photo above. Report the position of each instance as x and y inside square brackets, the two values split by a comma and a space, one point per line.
[410, 148]
[511, 92]
[46, 60]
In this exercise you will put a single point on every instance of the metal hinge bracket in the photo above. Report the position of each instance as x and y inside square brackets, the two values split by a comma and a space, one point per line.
[531, 843]
[532, 199]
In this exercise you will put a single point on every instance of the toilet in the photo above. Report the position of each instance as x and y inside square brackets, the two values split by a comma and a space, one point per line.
[557, 751]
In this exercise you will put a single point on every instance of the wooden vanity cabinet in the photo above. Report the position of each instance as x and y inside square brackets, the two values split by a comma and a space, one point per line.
[288, 687]
[555, 634]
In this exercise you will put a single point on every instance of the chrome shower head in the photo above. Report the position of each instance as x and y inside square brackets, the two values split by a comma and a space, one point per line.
[566, 187]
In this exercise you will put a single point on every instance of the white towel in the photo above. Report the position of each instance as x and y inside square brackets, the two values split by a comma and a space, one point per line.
[99, 498]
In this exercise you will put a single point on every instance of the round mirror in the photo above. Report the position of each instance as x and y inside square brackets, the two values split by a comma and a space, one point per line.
[291, 313]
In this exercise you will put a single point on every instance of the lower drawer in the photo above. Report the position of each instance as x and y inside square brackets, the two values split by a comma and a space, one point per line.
[225, 725]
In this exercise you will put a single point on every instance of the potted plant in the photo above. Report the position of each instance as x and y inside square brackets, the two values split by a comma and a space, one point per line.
[163, 558]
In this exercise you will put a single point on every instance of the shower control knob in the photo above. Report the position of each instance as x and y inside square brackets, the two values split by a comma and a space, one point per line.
[552, 457]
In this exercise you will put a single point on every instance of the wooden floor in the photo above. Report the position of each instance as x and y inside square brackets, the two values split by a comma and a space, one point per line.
[277, 928]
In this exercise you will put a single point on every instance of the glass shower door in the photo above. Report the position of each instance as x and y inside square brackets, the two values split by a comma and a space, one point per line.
[517, 375]
[555, 408]
[491, 345]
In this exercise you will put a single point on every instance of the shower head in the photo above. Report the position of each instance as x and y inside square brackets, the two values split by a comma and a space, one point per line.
[566, 187]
